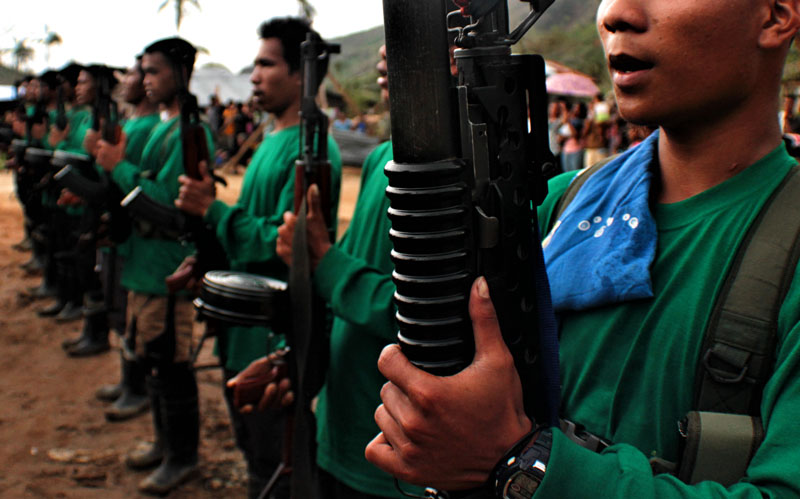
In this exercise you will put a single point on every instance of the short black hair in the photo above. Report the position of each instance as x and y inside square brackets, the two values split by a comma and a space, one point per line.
[50, 78]
[70, 72]
[291, 31]
[100, 71]
[177, 50]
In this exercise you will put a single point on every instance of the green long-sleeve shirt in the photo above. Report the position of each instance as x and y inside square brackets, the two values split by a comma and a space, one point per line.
[80, 120]
[355, 278]
[150, 260]
[248, 230]
[137, 130]
[628, 369]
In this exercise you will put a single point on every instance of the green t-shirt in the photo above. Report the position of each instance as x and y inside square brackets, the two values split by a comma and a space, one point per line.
[150, 260]
[138, 130]
[248, 230]
[80, 120]
[355, 278]
[628, 369]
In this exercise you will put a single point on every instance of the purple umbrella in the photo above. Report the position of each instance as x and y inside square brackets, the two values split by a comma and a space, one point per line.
[573, 84]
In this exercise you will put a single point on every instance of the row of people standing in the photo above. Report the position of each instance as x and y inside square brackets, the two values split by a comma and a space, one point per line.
[351, 275]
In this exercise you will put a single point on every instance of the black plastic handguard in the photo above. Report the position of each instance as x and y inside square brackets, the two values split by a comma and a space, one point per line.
[153, 219]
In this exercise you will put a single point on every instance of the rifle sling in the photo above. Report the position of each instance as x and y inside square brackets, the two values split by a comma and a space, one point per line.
[739, 346]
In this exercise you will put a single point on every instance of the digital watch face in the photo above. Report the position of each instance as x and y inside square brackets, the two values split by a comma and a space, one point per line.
[520, 486]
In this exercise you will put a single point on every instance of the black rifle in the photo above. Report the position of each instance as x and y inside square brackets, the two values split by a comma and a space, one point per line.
[108, 221]
[307, 362]
[466, 177]
[210, 254]
[157, 220]
[61, 112]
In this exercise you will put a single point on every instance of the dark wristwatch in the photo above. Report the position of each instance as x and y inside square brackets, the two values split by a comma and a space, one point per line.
[521, 471]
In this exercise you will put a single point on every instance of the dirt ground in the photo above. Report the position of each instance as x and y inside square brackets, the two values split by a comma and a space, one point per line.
[55, 441]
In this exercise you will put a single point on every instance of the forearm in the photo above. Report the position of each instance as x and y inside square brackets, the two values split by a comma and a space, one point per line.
[624, 471]
[358, 293]
[246, 238]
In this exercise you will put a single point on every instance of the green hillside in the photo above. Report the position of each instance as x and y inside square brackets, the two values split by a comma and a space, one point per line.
[565, 33]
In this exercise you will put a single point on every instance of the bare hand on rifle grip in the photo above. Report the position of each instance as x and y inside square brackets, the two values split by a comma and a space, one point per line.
[318, 242]
[90, 141]
[264, 384]
[195, 196]
[55, 137]
[68, 198]
[449, 432]
[110, 155]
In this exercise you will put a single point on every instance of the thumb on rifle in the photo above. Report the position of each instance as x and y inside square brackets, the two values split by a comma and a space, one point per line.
[202, 168]
[314, 208]
[488, 339]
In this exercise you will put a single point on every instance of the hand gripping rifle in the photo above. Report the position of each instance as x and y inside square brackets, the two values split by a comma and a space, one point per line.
[210, 254]
[307, 341]
[169, 222]
[463, 187]
[109, 221]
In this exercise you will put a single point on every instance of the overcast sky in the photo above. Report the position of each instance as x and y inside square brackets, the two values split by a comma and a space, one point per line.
[114, 31]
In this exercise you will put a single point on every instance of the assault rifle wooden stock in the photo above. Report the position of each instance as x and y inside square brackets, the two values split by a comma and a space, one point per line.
[210, 254]
[313, 166]
[307, 362]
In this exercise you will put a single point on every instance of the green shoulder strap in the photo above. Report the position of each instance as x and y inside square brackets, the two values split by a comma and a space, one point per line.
[577, 183]
[739, 346]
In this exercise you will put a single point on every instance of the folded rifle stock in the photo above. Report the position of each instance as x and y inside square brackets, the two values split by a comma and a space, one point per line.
[154, 219]
[93, 192]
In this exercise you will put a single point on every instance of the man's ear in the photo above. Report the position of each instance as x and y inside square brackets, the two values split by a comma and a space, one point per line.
[782, 25]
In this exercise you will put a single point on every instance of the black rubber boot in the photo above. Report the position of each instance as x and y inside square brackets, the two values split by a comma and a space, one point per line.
[133, 399]
[180, 415]
[51, 310]
[70, 312]
[33, 266]
[94, 335]
[43, 290]
[24, 245]
[109, 393]
[152, 455]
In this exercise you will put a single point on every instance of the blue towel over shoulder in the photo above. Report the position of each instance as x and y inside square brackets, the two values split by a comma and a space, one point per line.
[600, 251]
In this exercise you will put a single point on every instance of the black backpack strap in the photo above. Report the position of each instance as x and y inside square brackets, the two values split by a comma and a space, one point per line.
[739, 346]
[577, 183]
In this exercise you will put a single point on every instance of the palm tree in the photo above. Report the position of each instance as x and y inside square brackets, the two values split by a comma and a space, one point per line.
[307, 10]
[21, 53]
[50, 38]
[180, 10]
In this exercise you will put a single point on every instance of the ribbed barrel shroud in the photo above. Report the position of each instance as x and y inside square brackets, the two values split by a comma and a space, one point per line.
[429, 211]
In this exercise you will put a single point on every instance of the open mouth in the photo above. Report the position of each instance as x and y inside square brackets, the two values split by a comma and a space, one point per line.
[624, 63]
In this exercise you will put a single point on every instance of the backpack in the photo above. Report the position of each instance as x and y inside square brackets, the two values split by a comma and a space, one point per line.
[723, 432]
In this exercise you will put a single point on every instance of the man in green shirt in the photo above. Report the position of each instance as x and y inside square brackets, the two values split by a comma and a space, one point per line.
[248, 230]
[354, 276]
[130, 395]
[164, 344]
[629, 365]
[71, 263]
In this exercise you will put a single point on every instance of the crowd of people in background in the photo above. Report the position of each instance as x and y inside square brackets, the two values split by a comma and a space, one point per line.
[582, 133]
